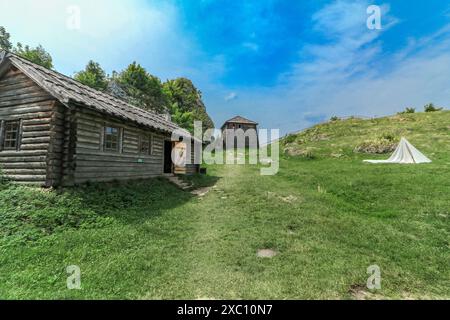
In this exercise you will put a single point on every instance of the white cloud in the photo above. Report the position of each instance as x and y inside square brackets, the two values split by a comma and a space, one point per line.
[341, 18]
[231, 96]
[252, 46]
[351, 44]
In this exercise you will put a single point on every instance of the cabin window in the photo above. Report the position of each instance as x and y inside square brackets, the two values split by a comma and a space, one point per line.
[145, 145]
[11, 135]
[112, 139]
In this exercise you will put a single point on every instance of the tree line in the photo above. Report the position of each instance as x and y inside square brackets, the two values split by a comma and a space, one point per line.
[135, 85]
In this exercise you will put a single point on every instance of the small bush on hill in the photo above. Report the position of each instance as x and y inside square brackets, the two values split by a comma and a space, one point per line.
[431, 108]
[389, 136]
[298, 152]
[334, 119]
[314, 135]
[290, 139]
[319, 137]
[408, 110]
[385, 143]
[376, 147]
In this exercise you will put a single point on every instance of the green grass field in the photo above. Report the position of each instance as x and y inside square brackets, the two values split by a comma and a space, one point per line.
[327, 215]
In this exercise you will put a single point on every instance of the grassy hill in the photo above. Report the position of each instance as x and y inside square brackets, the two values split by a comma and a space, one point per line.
[339, 138]
[326, 215]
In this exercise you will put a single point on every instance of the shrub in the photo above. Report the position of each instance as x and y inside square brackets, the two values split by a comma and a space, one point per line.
[389, 136]
[385, 143]
[319, 137]
[301, 153]
[290, 138]
[408, 110]
[376, 146]
[334, 119]
[431, 108]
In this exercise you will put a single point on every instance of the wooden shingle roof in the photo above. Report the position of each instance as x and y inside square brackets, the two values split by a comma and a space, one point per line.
[69, 91]
[239, 119]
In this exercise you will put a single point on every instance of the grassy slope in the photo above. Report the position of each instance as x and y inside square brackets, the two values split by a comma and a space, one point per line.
[148, 240]
[429, 131]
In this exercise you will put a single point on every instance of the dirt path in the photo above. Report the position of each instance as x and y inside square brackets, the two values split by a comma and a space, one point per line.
[209, 274]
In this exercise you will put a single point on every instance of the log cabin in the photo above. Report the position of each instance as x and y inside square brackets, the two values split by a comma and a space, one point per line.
[55, 131]
[237, 124]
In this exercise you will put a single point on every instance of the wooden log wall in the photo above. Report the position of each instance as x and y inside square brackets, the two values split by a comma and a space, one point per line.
[92, 163]
[22, 100]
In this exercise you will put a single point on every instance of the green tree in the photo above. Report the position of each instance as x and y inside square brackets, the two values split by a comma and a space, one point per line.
[37, 55]
[431, 108]
[183, 119]
[143, 89]
[5, 43]
[185, 104]
[93, 76]
[408, 110]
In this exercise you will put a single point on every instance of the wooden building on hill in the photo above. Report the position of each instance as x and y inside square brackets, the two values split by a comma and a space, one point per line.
[237, 124]
[55, 131]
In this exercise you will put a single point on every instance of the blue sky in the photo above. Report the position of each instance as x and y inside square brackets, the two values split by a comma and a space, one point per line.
[286, 64]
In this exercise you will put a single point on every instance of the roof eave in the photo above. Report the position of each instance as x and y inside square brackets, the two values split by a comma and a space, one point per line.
[52, 91]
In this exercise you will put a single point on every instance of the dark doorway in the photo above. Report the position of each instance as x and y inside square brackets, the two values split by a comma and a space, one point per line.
[168, 167]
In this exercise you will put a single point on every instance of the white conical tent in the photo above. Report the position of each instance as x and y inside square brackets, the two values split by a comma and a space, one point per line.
[405, 153]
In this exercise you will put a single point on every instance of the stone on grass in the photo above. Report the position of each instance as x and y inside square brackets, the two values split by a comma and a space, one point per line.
[200, 192]
[289, 199]
[266, 253]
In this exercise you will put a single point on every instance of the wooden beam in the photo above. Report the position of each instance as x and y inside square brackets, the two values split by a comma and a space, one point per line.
[2, 133]
[19, 138]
